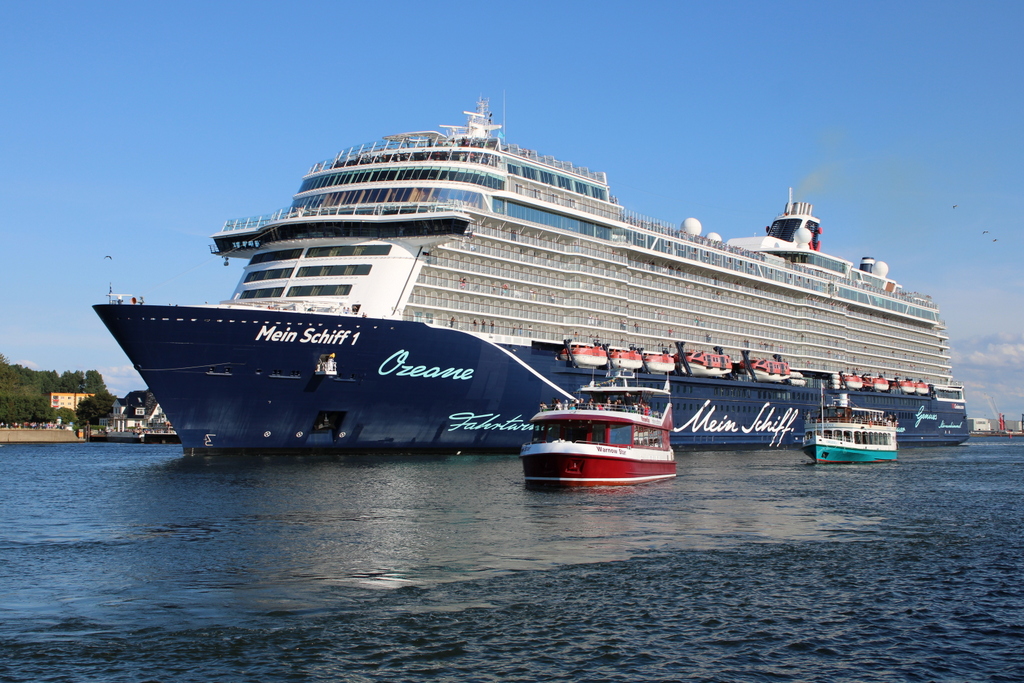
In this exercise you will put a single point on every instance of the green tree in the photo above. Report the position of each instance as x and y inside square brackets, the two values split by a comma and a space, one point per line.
[67, 416]
[94, 383]
[72, 381]
[9, 380]
[19, 407]
[92, 408]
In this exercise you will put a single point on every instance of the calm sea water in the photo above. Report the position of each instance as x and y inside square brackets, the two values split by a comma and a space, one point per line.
[132, 563]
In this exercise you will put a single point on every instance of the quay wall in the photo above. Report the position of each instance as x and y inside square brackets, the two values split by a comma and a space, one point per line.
[38, 436]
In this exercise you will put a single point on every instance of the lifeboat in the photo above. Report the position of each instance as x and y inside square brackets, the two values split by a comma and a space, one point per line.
[853, 382]
[797, 379]
[922, 387]
[660, 362]
[627, 360]
[704, 364]
[769, 370]
[880, 383]
[586, 356]
[907, 386]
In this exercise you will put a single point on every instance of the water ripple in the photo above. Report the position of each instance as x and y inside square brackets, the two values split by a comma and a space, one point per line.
[132, 564]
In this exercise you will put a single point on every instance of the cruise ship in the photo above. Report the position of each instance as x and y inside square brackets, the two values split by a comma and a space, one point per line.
[424, 293]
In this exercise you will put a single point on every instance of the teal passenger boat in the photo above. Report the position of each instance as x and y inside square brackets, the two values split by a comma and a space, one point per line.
[840, 433]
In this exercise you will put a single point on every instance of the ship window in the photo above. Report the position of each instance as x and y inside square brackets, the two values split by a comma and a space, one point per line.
[354, 250]
[388, 195]
[577, 432]
[267, 293]
[621, 435]
[320, 290]
[283, 255]
[321, 271]
[271, 274]
[552, 219]
[600, 433]
[647, 437]
[546, 433]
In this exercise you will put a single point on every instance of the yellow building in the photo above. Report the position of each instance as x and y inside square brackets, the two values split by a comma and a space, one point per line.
[67, 400]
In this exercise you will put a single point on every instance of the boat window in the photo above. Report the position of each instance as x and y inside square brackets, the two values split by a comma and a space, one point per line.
[647, 437]
[546, 433]
[848, 437]
[551, 219]
[270, 274]
[621, 435]
[320, 290]
[351, 250]
[390, 195]
[266, 293]
[599, 434]
[459, 175]
[320, 271]
[282, 255]
[577, 432]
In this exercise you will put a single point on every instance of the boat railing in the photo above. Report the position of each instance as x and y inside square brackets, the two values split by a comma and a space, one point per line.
[852, 420]
[257, 222]
[610, 407]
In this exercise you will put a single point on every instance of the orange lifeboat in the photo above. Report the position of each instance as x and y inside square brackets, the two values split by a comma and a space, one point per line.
[704, 364]
[922, 387]
[769, 370]
[586, 355]
[659, 362]
[880, 383]
[627, 360]
[854, 382]
[907, 386]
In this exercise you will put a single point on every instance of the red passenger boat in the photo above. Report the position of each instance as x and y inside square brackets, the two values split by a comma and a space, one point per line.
[611, 437]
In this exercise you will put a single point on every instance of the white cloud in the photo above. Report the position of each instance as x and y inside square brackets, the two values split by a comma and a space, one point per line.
[991, 366]
[120, 379]
[26, 364]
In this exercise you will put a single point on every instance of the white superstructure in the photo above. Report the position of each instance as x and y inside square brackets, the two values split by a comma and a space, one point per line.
[463, 230]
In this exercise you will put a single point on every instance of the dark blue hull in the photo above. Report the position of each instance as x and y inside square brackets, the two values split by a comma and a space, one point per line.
[236, 381]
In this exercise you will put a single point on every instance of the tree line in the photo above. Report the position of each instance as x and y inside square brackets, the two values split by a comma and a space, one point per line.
[24, 394]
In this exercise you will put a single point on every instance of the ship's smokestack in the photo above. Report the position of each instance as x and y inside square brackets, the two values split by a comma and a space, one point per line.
[867, 264]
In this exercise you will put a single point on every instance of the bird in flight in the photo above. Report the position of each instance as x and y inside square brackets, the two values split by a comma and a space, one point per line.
[955, 205]
[109, 257]
[984, 232]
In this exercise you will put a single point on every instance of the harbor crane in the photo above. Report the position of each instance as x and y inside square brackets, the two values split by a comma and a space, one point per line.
[995, 411]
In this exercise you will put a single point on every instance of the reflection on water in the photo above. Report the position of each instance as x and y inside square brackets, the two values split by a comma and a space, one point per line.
[220, 523]
[121, 539]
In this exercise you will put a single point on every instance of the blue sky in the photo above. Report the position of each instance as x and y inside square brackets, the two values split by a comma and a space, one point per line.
[135, 130]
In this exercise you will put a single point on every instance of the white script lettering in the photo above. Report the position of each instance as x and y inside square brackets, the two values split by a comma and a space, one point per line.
[473, 422]
[395, 363]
